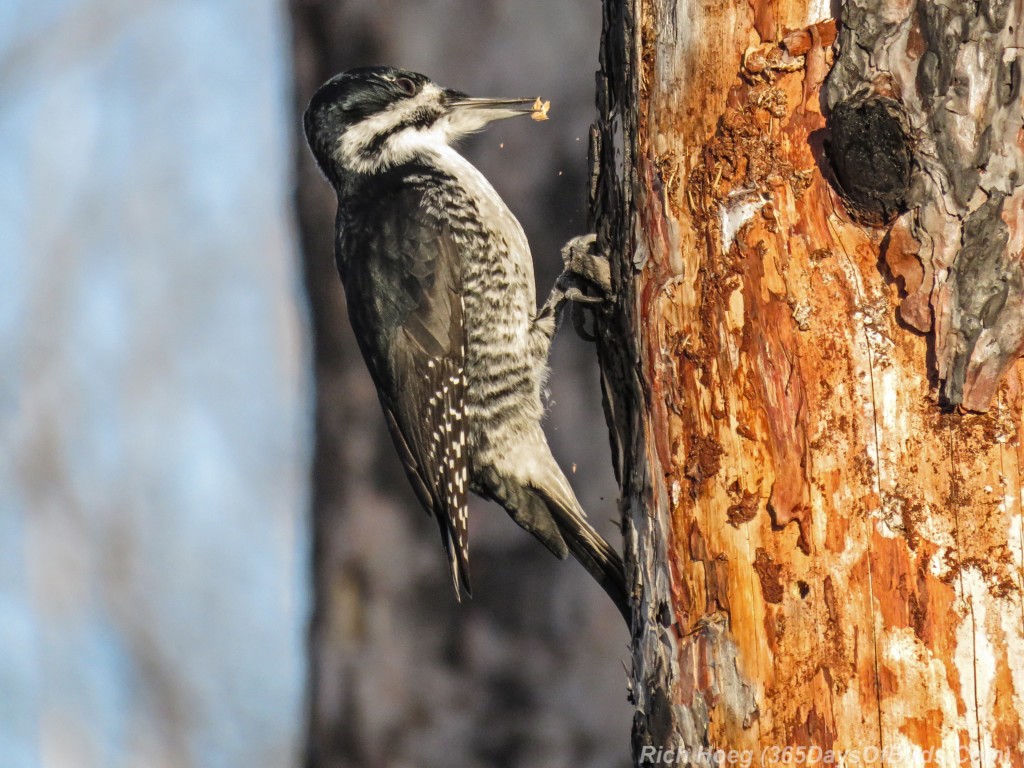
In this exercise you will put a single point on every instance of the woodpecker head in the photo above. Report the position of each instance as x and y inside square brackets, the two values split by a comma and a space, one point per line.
[370, 119]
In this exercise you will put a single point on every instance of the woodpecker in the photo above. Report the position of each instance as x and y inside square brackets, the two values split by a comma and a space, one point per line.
[438, 279]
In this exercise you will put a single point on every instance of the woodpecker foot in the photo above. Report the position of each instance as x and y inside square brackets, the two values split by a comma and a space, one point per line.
[576, 296]
[586, 280]
[582, 260]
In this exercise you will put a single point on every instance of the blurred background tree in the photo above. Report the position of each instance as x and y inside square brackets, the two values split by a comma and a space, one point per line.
[157, 360]
[153, 388]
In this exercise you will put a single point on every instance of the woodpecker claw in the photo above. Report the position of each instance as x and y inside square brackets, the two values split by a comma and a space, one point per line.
[576, 296]
[584, 266]
[582, 260]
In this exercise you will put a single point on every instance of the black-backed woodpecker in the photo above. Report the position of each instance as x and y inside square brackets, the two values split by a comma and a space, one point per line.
[439, 284]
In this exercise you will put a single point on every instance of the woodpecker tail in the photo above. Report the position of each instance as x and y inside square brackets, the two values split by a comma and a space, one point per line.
[545, 505]
[586, 545]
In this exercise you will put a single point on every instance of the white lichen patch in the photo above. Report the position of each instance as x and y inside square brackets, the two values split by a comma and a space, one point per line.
[923, 680]
[801, 315]
[819, 10]
[1009, 623]
[975, 656]
[937, 567]
[1015, 539]
[734, 214]
[935, 528]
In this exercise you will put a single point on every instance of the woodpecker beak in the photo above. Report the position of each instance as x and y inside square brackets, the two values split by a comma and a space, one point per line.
[479, 112]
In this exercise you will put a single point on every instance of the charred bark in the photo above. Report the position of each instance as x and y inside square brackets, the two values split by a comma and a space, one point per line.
[950, 72]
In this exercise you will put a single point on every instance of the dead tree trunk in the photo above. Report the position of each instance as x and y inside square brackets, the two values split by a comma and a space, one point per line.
[817, 417]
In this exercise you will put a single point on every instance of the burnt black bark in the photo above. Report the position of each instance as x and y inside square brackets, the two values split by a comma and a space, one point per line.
[950, 72]
[871, 154]
[657, 722]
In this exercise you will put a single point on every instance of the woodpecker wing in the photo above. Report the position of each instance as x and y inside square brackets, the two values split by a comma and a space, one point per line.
[403, 280]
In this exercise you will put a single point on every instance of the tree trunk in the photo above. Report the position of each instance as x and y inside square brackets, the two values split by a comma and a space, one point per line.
[816, 418]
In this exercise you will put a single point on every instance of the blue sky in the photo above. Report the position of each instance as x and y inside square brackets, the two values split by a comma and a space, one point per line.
[154, 399]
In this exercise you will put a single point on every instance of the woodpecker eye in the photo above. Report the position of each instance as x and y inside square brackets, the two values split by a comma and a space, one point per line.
[407, 86]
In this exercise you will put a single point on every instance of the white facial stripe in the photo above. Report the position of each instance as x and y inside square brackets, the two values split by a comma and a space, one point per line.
[398, 148]
[412, 142]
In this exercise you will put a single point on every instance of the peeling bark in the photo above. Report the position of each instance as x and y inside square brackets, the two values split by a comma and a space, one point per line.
[807, 271]
[952, 71]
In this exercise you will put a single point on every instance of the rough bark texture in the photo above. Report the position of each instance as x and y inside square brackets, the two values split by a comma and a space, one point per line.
[949, 73]
[822, 555]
